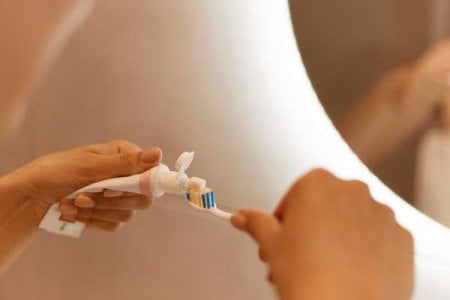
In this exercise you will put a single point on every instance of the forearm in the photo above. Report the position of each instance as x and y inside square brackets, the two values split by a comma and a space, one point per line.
[16, 232]
[18, 224]
[387, 117]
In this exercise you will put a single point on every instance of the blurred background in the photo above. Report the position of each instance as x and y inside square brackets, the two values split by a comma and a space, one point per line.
[347, 45]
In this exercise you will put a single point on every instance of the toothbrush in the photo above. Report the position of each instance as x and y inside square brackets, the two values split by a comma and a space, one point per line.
[206, 200]
[155, 182]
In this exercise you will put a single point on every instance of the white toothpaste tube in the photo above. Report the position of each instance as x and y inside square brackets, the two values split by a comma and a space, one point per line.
[154, 182]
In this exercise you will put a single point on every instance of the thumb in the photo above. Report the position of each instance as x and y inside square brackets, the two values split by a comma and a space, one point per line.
[261, 226]
[131, 161]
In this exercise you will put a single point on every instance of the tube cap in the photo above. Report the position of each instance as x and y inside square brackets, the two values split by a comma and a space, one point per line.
[184, 161]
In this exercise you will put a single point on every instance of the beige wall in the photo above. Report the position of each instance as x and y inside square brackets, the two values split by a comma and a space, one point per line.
[348, 44]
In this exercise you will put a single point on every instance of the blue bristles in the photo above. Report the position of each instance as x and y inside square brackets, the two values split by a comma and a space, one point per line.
[206, 200]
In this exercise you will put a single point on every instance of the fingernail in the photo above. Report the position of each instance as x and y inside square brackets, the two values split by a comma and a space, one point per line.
[112, 193]
[151, 155]
[239, 221]
[84, 202]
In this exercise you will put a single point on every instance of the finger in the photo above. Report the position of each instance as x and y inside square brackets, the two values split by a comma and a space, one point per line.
[132, 202]
[261, 226]
[124, 203]
[104, 225]
[131, 157]
[67, 209]
[116, 147]
[125, 159]
[84, 201]
[105, 215]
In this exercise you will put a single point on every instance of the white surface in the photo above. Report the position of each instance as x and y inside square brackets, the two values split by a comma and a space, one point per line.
[227, 73]
[433, 176]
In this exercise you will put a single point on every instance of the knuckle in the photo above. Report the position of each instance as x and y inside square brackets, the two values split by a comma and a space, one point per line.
[311, 178]
[358, 186]
[122, 146]
[125, 159]
[319, 173]
[117, 143]
[385, 212]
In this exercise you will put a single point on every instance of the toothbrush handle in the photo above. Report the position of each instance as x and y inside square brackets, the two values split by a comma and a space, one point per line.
[221, 214]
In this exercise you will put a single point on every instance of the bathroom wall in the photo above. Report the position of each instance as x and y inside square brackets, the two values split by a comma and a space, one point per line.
[348, 44]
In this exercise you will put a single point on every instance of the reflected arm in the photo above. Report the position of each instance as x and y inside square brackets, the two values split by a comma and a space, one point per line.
[393, 112]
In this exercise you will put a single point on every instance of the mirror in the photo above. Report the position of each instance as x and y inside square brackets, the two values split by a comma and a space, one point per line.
[381, 76]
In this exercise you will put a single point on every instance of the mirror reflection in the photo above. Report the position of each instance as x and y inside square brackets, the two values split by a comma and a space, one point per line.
[383, 77]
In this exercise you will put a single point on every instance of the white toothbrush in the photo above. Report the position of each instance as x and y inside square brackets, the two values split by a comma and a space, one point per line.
[154, 182]
[205, 199]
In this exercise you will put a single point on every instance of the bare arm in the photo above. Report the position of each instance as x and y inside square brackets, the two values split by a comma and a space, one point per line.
[17, 227]
[27, 194]
[399, 106]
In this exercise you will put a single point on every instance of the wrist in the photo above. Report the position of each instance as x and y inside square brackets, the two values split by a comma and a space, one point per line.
[14, 196]
[11, 198]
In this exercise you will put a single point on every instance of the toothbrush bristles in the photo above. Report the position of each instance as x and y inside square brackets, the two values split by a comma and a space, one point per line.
[205, 199]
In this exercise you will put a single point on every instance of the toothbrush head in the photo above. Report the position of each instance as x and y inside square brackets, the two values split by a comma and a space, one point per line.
[205, 199]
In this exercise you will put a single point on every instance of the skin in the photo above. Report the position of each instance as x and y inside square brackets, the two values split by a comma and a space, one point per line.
[29, 192]
[33, 33]
[400, 106]
[368, 245]
[328, 239]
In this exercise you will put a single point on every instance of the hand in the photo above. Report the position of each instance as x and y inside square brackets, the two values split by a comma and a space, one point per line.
[328, 239]
[52, 177]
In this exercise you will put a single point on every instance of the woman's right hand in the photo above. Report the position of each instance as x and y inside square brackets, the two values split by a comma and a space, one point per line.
[329, 239]
[50, 178]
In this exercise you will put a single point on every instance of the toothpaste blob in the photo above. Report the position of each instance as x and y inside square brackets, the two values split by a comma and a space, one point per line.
[204, 199]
